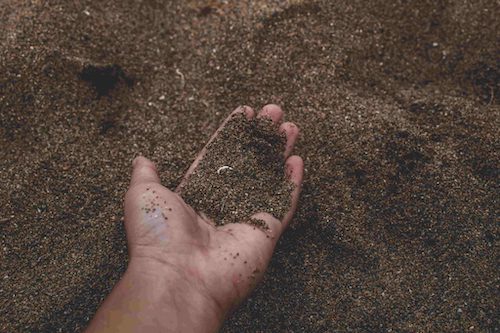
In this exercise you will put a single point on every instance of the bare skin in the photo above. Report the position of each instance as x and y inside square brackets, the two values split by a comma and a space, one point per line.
[185, 274]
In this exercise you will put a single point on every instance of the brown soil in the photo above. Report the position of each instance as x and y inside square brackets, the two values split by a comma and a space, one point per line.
[241, 174]
[398, 103]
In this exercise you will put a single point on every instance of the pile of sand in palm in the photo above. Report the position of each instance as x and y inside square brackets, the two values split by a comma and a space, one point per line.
[242, 173]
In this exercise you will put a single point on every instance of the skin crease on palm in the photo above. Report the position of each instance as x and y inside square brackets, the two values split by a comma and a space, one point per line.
[183, 269]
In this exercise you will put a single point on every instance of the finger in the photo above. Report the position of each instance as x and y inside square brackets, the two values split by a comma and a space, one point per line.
[294, 166]
[272, 226]
[246, 110]
[144, 171]
[271, 111]
[292, 133]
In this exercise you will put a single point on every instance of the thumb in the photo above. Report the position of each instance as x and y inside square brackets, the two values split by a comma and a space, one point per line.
[144, 171]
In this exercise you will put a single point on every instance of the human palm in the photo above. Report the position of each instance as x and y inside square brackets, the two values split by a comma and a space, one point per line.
[166, 237]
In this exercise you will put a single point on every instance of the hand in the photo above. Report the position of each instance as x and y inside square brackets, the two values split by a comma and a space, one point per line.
[193, 272]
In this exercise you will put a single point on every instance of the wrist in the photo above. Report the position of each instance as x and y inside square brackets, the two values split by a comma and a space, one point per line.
[176, 301]
[156, 298]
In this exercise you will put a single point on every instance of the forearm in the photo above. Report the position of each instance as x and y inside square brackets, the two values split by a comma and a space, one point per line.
[146, 301]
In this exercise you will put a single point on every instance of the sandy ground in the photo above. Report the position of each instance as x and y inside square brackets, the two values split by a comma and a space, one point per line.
[398, 103]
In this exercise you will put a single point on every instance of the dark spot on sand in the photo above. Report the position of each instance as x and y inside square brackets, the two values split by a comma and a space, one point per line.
[106, 125]
[105, 78]
[488, 171]
[360, 175]
[406, 151]
[485, 82]
[206, 10]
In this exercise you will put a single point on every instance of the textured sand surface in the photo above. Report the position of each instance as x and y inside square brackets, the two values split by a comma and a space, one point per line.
[398, 104]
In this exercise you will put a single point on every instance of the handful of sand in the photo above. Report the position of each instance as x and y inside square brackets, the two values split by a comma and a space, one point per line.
[242, 173]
